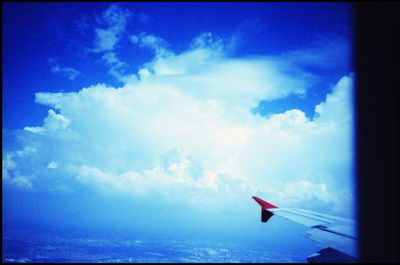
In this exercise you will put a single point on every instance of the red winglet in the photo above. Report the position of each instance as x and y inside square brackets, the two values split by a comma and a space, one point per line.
[264, 204]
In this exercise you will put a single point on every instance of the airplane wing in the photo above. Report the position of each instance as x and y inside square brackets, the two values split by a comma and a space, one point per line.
[337, 235]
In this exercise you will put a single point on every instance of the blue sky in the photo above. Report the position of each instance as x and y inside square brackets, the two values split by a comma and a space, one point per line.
[187, 108]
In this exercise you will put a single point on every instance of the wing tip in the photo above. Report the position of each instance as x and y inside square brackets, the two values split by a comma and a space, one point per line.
[264, 205]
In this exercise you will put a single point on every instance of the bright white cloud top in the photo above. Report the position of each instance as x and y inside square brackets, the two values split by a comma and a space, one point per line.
[182, 128]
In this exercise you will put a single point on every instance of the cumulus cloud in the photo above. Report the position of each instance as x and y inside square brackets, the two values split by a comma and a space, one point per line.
[338, 104]
[53, 123]
[182, 129]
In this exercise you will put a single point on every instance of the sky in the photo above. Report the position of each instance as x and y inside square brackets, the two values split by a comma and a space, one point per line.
[165, 118]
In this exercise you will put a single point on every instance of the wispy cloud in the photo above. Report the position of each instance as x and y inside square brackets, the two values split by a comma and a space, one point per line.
[118, 67]
[68, 72]
[328, 52]
[115, 19]
[158, 45]
[143, 18]
[10, 172]
[112, 59]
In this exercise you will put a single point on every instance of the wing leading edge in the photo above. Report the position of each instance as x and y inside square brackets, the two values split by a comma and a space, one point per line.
[331, 232]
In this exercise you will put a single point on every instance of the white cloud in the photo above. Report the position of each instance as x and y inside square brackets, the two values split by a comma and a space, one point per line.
[303, 190]
[158, 45]
[68, 72]
[7, 165]
[111, 58]
[53, 123]
[117, 66]
[185, 131]
[22, 181]
[26, 151]
[337, 105]
[144, 73]
[71, 73]
[116, 19]
[52, 165]
[10, 169]
[207, 40]
[105, 39]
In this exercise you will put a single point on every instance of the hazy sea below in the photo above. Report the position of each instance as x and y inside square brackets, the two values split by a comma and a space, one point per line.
[23, 247]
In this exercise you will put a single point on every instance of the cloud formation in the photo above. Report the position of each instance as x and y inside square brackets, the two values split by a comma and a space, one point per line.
[158, 45]
[68, 72]
[115, 19]
[182, 129]
[118, 67]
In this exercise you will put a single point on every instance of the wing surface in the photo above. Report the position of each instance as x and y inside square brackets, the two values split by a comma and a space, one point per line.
[327, 230]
